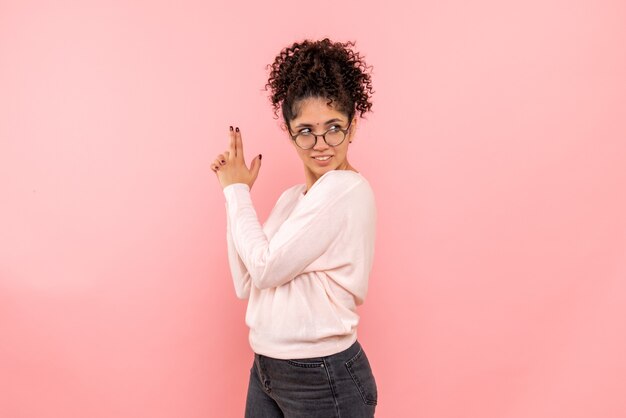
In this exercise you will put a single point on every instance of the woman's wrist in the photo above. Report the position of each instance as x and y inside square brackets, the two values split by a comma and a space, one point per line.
[236, 185]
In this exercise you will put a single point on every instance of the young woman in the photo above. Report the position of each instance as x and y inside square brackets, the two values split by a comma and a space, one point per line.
[306, 269]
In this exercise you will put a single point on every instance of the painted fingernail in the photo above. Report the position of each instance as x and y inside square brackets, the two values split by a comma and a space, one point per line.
[231, 128]
[223, 162]
[260, 156]
[237, 129]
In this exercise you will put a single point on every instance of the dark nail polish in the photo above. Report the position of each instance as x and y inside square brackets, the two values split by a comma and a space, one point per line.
[237, 128]
[231, 128]
[223, 162]
[260, 156]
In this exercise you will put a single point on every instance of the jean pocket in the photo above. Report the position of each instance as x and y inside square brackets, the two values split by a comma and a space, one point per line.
[306, 363]
[361, 373]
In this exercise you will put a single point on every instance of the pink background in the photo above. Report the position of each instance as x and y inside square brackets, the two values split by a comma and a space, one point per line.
[497, 151]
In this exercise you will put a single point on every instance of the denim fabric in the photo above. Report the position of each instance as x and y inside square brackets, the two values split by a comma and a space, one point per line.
[341, 385]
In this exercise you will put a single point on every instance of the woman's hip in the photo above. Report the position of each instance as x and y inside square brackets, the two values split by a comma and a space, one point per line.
[342, 382]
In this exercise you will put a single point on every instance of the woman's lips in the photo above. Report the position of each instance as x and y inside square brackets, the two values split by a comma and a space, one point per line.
[323, 162]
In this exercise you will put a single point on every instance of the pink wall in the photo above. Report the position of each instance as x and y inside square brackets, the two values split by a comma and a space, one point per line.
[497, 151]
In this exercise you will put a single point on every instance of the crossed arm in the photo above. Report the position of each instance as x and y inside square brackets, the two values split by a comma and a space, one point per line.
[301, 239]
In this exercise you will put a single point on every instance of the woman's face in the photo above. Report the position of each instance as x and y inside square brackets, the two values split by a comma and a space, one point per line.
[317, 117]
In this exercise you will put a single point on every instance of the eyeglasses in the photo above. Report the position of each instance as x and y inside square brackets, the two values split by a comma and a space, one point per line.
[333, 137]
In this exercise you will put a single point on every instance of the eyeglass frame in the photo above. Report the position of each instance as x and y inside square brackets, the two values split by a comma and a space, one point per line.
[344, 131]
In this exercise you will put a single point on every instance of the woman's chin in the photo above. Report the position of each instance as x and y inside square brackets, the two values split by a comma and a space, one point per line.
[324, 170]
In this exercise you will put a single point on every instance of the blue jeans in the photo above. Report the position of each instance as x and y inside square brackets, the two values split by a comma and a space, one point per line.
[337, 386]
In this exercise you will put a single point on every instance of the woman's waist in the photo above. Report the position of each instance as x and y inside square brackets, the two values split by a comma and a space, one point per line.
[291, 348]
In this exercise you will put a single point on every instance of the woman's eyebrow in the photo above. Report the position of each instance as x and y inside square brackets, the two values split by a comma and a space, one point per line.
[302, 125]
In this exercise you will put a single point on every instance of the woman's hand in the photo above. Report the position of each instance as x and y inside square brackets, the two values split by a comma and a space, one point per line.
[230, 166]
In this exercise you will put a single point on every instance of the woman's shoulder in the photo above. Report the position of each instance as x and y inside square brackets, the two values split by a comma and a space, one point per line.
[341, 177]
[329, 186]
[347, 178]
[337, 183]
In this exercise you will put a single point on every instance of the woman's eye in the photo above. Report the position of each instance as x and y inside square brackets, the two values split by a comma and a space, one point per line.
[305, 132]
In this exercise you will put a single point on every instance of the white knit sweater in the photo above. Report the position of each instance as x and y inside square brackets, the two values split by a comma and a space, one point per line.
[307, 268]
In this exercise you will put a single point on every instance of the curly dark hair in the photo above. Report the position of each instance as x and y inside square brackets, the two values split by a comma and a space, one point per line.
[325, 69]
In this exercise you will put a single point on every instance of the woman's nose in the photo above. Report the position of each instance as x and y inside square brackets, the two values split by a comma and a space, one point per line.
[320, 144]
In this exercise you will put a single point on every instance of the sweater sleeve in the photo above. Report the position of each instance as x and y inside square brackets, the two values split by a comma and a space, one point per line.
[301, 239]
[241, 277]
